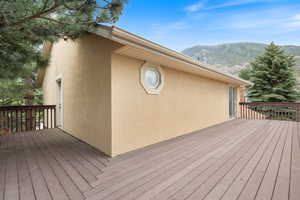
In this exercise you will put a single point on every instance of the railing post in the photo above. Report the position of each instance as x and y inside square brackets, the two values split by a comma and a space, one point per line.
[26, 118]
[270, 110]
[54, 117]
[298, 110]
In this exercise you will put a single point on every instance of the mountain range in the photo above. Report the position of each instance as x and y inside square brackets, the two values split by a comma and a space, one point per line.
[232, 57]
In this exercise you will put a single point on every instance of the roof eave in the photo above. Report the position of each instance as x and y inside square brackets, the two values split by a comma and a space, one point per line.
[119, 35]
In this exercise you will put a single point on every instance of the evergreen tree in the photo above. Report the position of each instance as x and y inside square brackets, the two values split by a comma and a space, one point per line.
[273, 76]
[25, 24]
[245, 73]
[13, 91]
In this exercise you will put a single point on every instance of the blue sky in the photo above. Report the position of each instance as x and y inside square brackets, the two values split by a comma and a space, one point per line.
[179, 24]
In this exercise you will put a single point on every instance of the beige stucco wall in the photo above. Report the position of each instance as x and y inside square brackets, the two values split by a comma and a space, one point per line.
[105, 105]
[186, 103]
[84, 67]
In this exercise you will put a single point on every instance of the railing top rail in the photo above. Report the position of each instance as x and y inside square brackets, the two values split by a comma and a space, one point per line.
[271, 103]
[31, 107]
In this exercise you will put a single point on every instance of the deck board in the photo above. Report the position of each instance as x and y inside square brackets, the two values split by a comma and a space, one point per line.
[66, 181]
[184, 157]
[250, 188]
[209, 182]
[282, 186]
[267, 186]
[234, 180]
[295, 165]
[25, 183]
[181, 187]
[235, 160]
[40, 186]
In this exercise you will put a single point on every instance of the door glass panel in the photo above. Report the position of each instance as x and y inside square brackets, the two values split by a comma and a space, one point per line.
[232, 101]
[59, 104]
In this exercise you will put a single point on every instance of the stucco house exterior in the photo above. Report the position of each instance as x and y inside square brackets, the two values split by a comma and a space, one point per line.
[119, 92]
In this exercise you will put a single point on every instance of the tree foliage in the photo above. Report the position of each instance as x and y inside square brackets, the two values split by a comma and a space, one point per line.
[25, 24]
[273, 76]
[245, 73]
[13, 91]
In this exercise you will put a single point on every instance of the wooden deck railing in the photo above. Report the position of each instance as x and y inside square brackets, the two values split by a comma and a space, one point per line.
[26, 118]
[270, 110]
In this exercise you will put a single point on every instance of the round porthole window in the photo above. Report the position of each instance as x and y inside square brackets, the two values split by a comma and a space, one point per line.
[152, 78]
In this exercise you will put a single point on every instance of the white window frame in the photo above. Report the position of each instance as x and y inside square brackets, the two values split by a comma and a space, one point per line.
[60, 115]
[149, 90]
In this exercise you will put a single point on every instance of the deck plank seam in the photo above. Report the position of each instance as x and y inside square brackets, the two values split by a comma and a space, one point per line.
[208, 177]
[240, 139]
[60, 164]
[38, 144]
[215, 142]
[71, 162]
[253, 170]
[38, 165]
[279, 165]
[200, 173]
[237, 138]
[67, 152]
[256, 149]
[79, 145]
[49, 153]
[265, 172]
[26, 149]
[246, 164]
[175, 141]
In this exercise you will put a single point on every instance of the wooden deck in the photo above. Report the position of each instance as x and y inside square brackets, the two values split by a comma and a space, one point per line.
[240, 159]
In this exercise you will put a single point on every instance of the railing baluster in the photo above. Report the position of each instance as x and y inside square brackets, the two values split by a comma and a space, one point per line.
[26, 120]
[16, 123]
[15, 119]
[44, 118]
[21, 123]
[51, 118]
[54, 118]
[7, 117]
[39, 119]
[3, 120]
[287, 111]
[1, 127]
[11, 121]
[47, 118]
[34, 111]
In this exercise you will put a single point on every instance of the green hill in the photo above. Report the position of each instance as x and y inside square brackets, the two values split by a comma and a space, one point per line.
[232, 57]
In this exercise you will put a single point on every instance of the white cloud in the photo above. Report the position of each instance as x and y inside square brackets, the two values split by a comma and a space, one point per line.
[271, 23]
[162, 30]
[278, 21]
[294, 24]
[177, 25]
[236, 3]
[204, 6]
[294, 21]
[195, 7]
[297, 17]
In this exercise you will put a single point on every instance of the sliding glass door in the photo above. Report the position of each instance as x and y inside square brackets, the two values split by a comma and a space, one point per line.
[232, 101]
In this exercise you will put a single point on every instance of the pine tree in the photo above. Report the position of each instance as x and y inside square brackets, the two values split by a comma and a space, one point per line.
[13, 91]
[245, 73]
[273, 76]
[25, 24]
